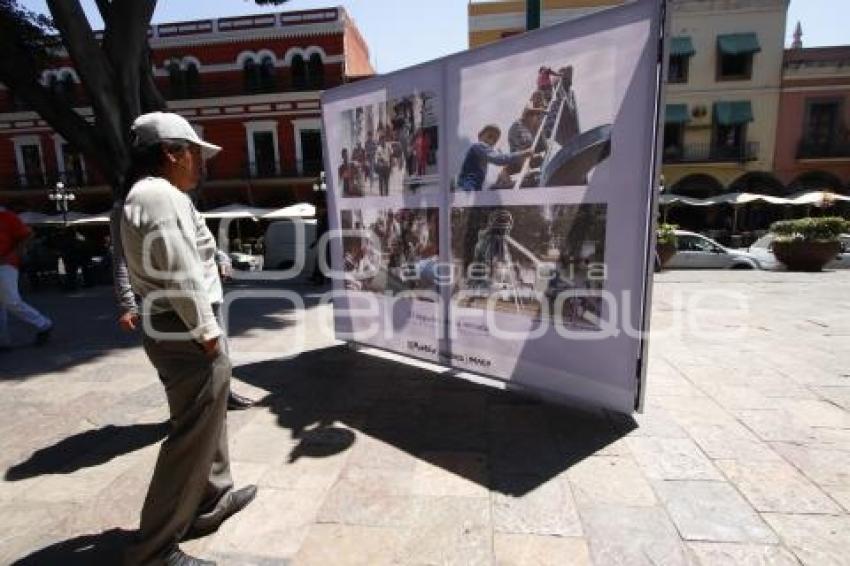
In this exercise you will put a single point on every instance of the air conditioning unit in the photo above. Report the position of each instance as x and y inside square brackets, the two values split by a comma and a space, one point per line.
[700, 115]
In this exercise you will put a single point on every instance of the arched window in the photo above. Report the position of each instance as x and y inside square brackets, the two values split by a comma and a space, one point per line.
[267, 74]
[316, 71]
[176, 84]
[66, 87]
[192, 80]
[299, 73]
[251, 76]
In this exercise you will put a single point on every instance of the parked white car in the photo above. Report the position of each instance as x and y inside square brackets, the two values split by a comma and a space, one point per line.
[762, 251]
[695, 251]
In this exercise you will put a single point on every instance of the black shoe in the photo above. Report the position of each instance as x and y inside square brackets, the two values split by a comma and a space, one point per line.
[239, 499]
[236, 402]
[42, 336]
[177, 557]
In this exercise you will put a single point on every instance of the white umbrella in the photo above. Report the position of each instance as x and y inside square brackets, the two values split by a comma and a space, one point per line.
[300, 210]
[236, 211]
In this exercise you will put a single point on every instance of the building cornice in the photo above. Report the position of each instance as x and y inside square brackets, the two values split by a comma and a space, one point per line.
[680, 7]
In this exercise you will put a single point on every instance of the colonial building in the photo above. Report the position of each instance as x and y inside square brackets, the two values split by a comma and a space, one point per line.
[723, 82]
[249, 84]
[813, 140]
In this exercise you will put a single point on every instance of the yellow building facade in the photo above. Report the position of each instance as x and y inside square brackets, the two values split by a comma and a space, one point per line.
[722, 95]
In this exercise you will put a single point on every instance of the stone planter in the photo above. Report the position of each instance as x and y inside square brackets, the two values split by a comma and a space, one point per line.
[799, 255]
[665, 253]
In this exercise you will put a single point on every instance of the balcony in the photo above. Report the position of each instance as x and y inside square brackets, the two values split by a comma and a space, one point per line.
[258, 170]
[42, 181]
[820, 150]
[709, 153]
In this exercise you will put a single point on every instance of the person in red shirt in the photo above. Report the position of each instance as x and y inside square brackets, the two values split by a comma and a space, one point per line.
[13, 235]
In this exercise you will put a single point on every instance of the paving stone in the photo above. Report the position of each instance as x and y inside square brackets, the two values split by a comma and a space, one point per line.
[546, 508]
[817, 540]
[633, 536]
[293, 511]
[655, 422]
[712, 511]
[724, 553]
[731, 441]
[601, 480]
[460, 474]
[672, 459]
[350, 545]
[304, 473]
[450, 530]
[824, 466]
[776, 425]
[371, 497]
[533, 550]
[776, 487]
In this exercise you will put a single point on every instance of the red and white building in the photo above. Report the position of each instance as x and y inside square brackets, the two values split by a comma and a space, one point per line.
[250, 84]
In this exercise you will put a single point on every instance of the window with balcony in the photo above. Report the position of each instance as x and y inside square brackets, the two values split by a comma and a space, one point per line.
[263, 152]
[729, 131]
[316, 72]
[251, 76]
[824, 133]
[71, 165]
[30, 162]
[735, 54]
[299, 73]
[192, 80]
[681, 51]
[267, 74]
[675, 118]
[176, 85]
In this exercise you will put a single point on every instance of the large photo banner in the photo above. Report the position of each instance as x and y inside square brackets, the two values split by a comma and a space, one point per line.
[492, 210]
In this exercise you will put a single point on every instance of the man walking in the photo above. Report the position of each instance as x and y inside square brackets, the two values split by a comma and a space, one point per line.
[171, 263]
[14, 234]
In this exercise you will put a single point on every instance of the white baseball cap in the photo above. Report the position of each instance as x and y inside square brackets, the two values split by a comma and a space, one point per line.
[157, 127]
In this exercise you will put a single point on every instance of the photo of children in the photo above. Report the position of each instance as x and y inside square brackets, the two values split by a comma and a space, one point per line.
[544, 146]
[390, 250]
[390, 148]
[514, 258]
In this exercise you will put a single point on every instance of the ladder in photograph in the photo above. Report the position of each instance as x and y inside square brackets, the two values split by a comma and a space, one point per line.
[556, 106]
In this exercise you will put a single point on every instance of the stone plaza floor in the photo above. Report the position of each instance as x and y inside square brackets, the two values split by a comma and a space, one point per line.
[742, 455]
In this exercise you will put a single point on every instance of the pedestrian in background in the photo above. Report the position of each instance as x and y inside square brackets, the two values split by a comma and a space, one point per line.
[14, 235]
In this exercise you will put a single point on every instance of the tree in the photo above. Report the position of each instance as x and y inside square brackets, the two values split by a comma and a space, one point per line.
[115, 71]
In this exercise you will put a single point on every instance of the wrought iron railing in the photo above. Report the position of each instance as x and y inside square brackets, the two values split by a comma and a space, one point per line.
[708, 153]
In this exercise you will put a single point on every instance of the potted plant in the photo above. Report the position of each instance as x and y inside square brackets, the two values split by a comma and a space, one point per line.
[807, 244]
[665, 243]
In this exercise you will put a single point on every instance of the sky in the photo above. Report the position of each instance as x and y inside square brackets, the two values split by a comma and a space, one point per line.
[402, 33]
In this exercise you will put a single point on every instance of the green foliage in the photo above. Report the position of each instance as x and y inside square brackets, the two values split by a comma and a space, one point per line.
[810, 229]
[28, 32]
[666, 234]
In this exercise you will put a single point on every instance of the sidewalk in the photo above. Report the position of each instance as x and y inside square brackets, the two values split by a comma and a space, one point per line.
[742, 455]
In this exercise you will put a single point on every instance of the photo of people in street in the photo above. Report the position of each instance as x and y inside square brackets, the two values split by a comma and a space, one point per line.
[390, 250]
[534, 139]
[514, 258]
[390, 148]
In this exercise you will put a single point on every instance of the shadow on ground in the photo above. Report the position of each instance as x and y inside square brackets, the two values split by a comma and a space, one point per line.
[102, 549]
[517, 443]
[87, 449]
[86, 327]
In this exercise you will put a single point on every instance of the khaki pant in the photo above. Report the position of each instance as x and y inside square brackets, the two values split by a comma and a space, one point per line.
[191, 481]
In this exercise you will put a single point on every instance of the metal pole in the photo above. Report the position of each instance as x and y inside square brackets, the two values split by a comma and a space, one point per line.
[532, 14]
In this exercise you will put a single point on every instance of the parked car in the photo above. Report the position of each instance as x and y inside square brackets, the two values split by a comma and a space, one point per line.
[761, 250]
[695, 251]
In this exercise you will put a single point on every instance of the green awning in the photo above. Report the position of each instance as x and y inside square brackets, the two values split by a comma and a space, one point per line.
[738, 43]
[731, 113]
[682, 46]
[676, 114]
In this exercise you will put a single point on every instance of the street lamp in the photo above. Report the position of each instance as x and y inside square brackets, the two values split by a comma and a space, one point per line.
[62, 196]
[321, 185]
